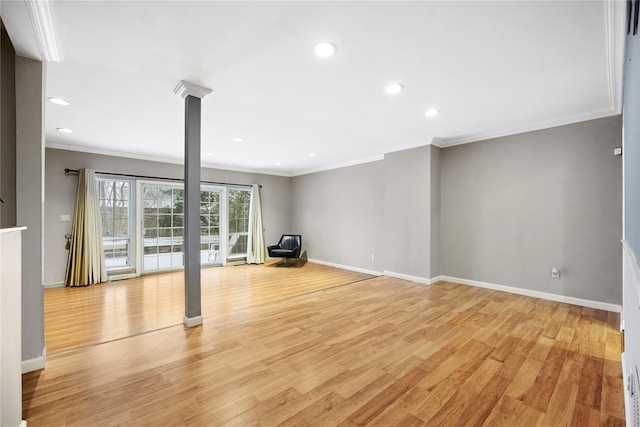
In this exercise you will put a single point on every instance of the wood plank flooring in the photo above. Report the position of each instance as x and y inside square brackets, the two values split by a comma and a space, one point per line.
[77, 317]
[370, 351]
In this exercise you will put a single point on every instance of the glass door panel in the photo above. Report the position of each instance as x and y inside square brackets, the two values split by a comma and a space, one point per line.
[210, 227]
[162, 227]
[114, 198]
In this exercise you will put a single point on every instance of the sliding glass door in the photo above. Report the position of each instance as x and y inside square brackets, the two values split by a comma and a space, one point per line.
[239, 206]
[210, 227]
[162, 219]
[163, 226]
[114, 203]
[143, 224]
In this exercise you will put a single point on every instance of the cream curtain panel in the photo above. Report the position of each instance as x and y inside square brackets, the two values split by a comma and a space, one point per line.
[257, 252]
[85, 265]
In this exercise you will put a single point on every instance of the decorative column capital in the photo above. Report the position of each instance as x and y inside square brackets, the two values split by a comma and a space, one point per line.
[185, 89]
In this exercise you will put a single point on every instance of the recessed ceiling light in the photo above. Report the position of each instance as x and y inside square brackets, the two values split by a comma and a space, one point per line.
[312, 154]
[324, 49]
[393, 88]
[65, 130]
[237, 139]
[209, 153]
[432, 112]
[58, 101]
[278, 164]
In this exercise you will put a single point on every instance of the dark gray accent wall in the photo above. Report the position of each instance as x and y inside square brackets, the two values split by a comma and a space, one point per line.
[513, 207]
[30, 93]
[340, 215]
[7, 132]
[60, 191]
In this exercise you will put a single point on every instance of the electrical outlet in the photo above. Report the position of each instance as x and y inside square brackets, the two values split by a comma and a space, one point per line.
[65, 218]
[373, 257]
[555, 272]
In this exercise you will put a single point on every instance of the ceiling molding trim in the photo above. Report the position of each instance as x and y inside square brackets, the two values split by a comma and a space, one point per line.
[150, 158]
[437, 142]
[593, 115]
[42, 19]
[340, 165]
[185, 89]
[614, 24]
[244, 170]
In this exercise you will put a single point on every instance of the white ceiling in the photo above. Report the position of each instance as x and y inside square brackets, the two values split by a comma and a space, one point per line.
[493, 68]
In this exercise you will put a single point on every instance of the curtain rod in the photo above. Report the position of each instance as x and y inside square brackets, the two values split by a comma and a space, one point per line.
[68, 171]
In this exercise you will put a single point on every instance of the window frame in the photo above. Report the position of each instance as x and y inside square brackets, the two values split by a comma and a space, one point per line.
[237, 257]
[224, 221]
[140, 228]
[130, 269]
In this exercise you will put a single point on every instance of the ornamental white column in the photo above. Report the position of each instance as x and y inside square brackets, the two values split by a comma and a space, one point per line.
[192, 95]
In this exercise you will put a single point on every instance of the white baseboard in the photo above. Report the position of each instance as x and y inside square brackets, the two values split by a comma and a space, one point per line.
[190, 322]
[53, 285]
[503, 288]
[23, 423]
[536, 294]
[403, 276]
[36, 363]
[346, 267]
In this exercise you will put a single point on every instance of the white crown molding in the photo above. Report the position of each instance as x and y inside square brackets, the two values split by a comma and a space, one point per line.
[185, 89]
[547, 124]
[340, 165]
[219, 166]
[150, 158]
[409, 146]
[437, 142]
[42, 20]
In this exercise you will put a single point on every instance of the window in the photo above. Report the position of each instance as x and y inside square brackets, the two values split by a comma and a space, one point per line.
[114, 203]
[239, 211]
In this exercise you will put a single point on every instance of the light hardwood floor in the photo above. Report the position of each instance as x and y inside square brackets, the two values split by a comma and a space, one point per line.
[321, 346]
[77, 317]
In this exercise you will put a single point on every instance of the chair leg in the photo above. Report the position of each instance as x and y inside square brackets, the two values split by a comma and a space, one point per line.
[285, 263]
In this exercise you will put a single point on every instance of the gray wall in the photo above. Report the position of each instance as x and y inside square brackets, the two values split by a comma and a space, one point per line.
[30, 93]
[7, 132]
[513, 207]
[340, 215]
[435, 211]
[407, 212]
[389, 209]
[60, 191]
